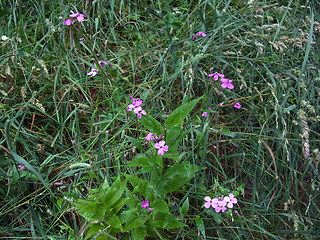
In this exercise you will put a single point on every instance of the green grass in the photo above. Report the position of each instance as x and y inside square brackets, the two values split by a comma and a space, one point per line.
[53, 116]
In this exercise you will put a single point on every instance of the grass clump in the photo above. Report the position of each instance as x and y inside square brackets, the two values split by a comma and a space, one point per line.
[76, 164]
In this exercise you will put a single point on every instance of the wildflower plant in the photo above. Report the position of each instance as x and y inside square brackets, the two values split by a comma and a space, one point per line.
[135, 205]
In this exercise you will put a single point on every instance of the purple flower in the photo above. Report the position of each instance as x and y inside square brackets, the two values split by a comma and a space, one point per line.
[210, 202]
[139, 111]
[145, 204]
[161, 147]
[237, 105]
[67, 22]
[192, 37]
[58, 183]
[226, 83]
[209, 108]
[204, 114]
[161, 29]
[22, 167]
[136, 101]
[201, 34]
[220, 206]
[216, 75]
[80, 17]
[136, 107]
[148, 137]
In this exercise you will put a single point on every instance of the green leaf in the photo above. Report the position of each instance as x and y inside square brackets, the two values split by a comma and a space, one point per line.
[135, 142]
[140, 185]
[160, 206]
[114, 221]
[227, 132]
[181, 112]
[90, 210]
[94, 228]
[178, 175]
[143, 160]
[137, 222]
[185, 207]
[200, 226]
[139, 233]
[175, 134]
[151, 124]
[165, 221]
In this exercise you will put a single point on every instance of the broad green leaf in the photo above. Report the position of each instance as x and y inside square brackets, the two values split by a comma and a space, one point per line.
[94, 228]
[181, 112]
[114, 221]
[174, 135]
[185, 207]
[160, 206]
[178, 175]
[165, 221]
[139, 233]
[117, 189]
[152, 124]
[147, 162]
[140, 185]
[90, 210]
[135, 223]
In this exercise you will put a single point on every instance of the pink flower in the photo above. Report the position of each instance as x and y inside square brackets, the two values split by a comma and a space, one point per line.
[220, 206]
[67, 22]
[237, 105]
[161, 29]
[204, 114]
[80, 17]
[216, 75]
[201, 34]
[136, 107]
[148, 137]
[230, 200]
[161, 147]
[139, 111]
[93, 72]
[209, 108]
[210, 202]
[145, 204]
[226, 83]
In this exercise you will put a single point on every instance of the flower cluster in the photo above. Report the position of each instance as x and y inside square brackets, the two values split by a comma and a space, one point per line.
[226, 83]
[94, 71]
[159, 144]
[78, 16]
[136, 107]
[220, 204]
[146, 205]
[153, 137]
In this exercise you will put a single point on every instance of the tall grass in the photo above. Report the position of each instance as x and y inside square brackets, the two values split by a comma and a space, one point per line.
[54, 116]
